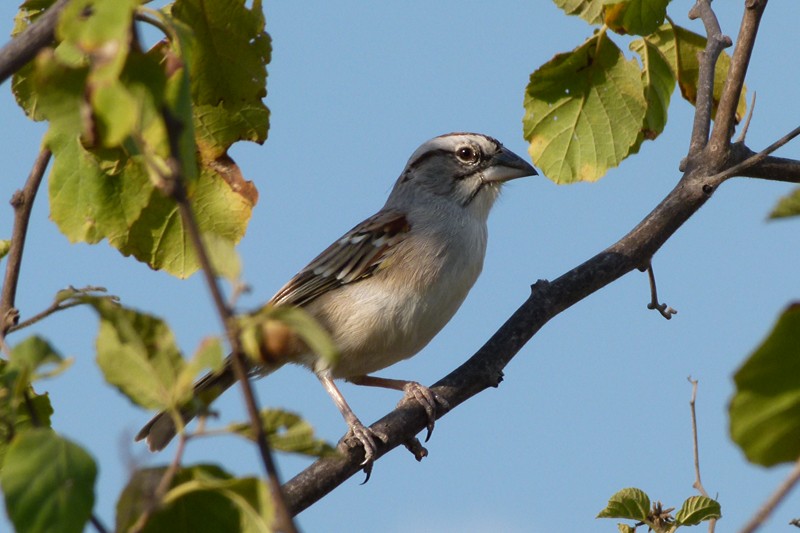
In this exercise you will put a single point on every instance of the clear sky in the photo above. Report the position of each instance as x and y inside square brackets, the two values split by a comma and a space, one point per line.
[596, 402]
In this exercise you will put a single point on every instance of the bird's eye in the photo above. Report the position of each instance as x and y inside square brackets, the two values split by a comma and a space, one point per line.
[467, 154]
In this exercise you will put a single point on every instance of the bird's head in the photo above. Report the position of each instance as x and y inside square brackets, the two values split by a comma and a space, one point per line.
[464, 168]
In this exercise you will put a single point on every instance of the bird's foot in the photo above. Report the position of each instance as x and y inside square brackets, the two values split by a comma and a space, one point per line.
[366, 438]
[428, 400]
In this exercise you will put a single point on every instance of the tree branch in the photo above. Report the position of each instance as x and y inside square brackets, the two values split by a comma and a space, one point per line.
[22, 202]
[27, 44]
[175, 188]
[716, 43]
[633, 251]
[725, 120]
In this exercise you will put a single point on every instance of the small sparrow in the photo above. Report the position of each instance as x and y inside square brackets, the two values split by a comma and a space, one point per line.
[385, 288]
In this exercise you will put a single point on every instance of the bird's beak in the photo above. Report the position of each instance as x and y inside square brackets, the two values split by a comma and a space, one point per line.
[506, 165]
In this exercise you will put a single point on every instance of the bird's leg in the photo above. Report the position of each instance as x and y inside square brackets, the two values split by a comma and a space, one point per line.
[363, 434]
[422, 394]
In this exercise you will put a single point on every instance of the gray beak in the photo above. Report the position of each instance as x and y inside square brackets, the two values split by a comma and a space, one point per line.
[505, 165]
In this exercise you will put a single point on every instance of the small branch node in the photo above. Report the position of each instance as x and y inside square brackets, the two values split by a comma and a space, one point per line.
[416, 448]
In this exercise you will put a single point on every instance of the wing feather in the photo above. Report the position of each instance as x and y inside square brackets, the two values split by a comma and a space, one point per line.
[354, 257]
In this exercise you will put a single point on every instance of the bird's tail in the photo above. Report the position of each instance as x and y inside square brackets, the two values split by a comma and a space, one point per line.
[161, 429]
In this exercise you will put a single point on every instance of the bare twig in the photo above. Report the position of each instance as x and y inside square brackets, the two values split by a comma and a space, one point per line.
[27, 44]
[698, 484]
[746, 126]
[57, 306]
[777, 497]
[665, 310]
[725, 119]
[716, 43]
[22, 201]
[177, 191]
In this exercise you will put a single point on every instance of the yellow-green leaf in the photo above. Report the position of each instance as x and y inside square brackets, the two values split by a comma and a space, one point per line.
[787, 206]
[680, 47]
[636, 17]
[583, 111]
[589, 10]
[658, 82]
[630, 503]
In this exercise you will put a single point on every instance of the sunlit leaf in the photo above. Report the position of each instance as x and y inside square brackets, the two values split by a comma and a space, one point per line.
[680, 47]
[658, 82]
[589, 10]
[34, 353]
[697, 509]
[628, 503]
[583, 111]
[137, 354]
[636, 17]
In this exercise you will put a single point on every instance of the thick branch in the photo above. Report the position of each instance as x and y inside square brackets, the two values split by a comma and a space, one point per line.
[22, 202]
[27, 44]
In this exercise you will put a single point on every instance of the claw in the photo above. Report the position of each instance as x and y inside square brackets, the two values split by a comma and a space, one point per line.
[428, 400]
[366, 438]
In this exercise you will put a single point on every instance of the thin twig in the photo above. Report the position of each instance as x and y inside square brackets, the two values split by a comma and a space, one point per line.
[698, 484]
[177, 191]
[746, 126]
[27, 44]
[163, 485]
[665, 310]
[777, 497]
[22, 201]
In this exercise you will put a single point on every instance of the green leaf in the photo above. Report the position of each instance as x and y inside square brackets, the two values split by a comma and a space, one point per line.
[228, 64]
[658, 82]
[287, 432]
[5, 247]
[697, 509]
[15, 416]
[138, 355]
[628, 503]
[680, 47]
[47, 480]
[589, 10]
[34, 353]
[636, 17]
[201, 498]
[765, 410]
[583, 111]
[788, 206]
[625, 528]
[106, 105]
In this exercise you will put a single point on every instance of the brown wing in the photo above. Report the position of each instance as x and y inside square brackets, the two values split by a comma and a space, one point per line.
[357, 255]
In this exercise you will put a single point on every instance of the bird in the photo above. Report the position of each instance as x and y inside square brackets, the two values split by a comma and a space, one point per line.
[389, 285]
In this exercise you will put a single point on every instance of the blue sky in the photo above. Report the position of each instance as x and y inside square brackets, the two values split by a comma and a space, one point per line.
[596, 402]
